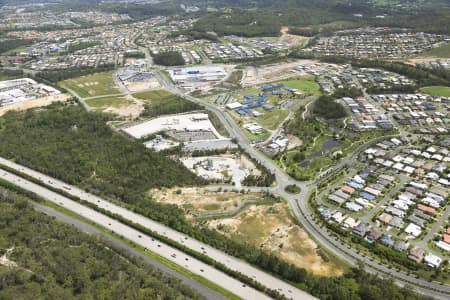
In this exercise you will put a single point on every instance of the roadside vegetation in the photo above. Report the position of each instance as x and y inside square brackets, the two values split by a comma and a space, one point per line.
[47, 259]
[54, 76]
[168, 58]
[78, 147]
[13, 46]
[161, 102]
[292, 189]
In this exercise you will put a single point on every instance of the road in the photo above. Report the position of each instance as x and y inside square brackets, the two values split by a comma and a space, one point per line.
[178, 257]
[206, 292]
[231, 262]
[299, 205]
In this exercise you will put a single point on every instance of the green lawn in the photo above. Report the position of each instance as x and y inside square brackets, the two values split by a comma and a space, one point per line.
[253, 138]
[92, 85]
[442, 52]
[162, 102]
[305, 85]
[272, 119]
[15, 50]
[115, 102]
[440, 91]
[158, 95]
[250, 91]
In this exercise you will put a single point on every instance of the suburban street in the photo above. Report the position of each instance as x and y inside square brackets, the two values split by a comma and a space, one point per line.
[297, 202]
[299, 205]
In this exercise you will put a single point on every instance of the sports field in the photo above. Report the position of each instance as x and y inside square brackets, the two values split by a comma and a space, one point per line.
[442, 52]
[305, 85]
[439, 91]
[92, 85]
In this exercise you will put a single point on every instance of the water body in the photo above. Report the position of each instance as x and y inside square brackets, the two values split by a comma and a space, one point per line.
[327, 145]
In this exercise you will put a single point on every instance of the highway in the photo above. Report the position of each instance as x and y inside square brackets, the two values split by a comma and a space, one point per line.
[180, 258]
[297, 202]
[230, 261]
[205, 291]
[299, 205]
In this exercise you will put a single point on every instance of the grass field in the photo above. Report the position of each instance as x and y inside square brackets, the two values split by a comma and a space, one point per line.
[272, 119]
[156, 96]
[115, 102]
[15, 50]
[253, 138]
[92, 85]
[161, 102]
[442, 52]
[305, 85]
[440, 91]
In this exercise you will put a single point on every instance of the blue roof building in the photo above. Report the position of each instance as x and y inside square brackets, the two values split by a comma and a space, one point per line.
[367, 196]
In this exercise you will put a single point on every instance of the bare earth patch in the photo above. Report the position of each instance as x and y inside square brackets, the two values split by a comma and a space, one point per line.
[132, 111]
[291, 38]
[269, 73]
[151, 84]
[294, 142]
[271, 228]
[200, 201]
[5, 261]
[44, 101]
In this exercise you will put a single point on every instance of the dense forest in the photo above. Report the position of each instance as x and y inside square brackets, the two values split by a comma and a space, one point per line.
[161, 102]
[12, 44]
[69, 143]
[239, 22]
[327, 108]
[168, 58]
[53, 76]
[79, 148]
[428, 16]
[57, 261]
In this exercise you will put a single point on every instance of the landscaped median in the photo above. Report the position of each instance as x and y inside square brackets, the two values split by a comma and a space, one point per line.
[204, 258]
[37, 199]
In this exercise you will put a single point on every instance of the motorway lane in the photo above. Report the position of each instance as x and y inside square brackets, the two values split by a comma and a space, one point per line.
[205, 291]
[180, 258]
[230, 261]
[298, 203]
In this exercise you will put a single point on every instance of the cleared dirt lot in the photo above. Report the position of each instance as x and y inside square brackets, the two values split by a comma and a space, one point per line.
[34, 103]
[144, 85]
[271, 227]
[199, 201]
[268, 73]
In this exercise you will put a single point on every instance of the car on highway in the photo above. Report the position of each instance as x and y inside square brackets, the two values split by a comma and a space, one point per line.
[174, 255]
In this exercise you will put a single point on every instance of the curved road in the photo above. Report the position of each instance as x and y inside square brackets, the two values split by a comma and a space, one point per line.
[230, 261]
[178, 257]
[299, 205]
